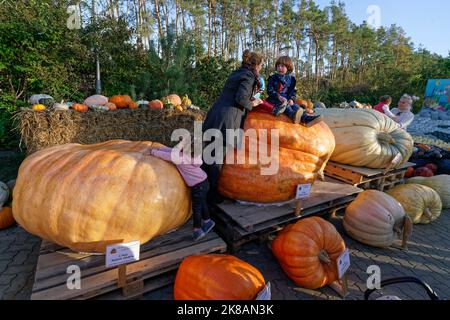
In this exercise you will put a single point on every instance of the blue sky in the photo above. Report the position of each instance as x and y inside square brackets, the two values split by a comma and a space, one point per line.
[426, 22]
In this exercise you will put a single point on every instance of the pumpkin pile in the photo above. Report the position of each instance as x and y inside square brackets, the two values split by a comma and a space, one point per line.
[217, 277]
[85, 197]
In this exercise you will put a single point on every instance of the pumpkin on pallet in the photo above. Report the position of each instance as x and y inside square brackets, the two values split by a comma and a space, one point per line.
[308, 250]
[217, 277]
[94, 194]
[439, 183]
[377, 219]
[302, 156]
[421, 203]
[367, 138]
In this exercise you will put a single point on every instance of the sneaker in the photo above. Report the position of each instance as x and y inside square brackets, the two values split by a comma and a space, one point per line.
[277, 110]
[309, 121]
[198, 234]
[207, 227]
[297, 116]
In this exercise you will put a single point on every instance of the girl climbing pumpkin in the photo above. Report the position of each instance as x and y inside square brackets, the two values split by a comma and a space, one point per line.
[189, 167]
[282, 94]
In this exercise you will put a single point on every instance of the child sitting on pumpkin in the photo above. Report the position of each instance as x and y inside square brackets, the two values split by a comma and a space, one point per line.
[182, 155]
[282, 94]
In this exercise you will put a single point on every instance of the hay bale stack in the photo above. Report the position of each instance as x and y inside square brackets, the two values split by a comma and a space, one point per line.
[47, 128]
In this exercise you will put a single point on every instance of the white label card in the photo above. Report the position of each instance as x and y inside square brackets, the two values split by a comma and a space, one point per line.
[303, 191]
[343, 263]
[122, 253]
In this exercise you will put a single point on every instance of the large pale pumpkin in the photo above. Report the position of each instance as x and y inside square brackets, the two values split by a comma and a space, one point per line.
[303, 154]
[377, 219]
[439, 183]
[366, 138]
[217, 277]
[308, 250]
[87, 196]
[421, 203]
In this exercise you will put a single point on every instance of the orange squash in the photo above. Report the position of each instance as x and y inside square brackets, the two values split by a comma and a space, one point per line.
[156, 104]
[6, 217]
[99, 194]
[121, 101]
[174, 99]
[133, 105]
[80, 107]
[111, 106]
[303, 154]
[308, 250]
[217, 277]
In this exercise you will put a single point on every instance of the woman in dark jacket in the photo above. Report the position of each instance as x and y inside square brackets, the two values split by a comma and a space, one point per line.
[231, 108]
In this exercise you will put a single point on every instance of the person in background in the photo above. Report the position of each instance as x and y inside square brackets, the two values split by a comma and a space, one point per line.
[383, 106]
[402, 114]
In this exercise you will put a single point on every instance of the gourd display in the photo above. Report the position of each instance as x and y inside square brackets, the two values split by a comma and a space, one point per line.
[303, 154]
[439, 183]
[88, 196]
[6, 217]
[217, 277]
[421, 203]
[377, 219]
[366, 138]
[307, 251]
[121, 101]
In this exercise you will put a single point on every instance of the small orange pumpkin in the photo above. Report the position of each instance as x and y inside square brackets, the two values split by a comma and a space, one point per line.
[217, 277]
[80, 107]
[133, 105]
[174, 99]
[6, 218]
[111, 106]
[121, 101]
[308, 251]
[156, 104]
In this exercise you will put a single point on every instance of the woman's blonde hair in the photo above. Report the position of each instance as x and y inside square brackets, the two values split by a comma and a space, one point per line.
[409, 99]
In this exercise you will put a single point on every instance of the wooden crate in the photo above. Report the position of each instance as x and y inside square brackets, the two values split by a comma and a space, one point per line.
[239, 224]
[366, 178]
[159, 260]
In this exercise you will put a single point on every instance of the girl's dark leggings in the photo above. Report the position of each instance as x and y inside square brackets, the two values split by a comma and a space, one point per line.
[199, 204]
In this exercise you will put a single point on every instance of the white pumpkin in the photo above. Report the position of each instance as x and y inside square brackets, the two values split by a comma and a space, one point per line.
[96, 100]
[60, 106]
[366, 138]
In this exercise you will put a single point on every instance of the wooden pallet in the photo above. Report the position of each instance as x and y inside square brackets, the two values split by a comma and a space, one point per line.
[366, 178]
[239, 224]
[159, 259]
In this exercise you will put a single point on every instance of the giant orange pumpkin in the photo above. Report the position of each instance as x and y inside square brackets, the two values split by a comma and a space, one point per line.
[121, 101]
[217, 277]
[303, 154]
[308, 251]
[87, 196]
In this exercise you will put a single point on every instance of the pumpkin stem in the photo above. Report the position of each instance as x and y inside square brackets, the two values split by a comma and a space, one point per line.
[407, 231]
[324, 257]
[385, 137]
[427, 213]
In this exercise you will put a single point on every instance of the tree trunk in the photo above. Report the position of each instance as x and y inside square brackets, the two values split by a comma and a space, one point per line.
[209, 28]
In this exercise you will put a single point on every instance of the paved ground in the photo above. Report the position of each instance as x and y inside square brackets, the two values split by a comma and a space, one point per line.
[428, 258]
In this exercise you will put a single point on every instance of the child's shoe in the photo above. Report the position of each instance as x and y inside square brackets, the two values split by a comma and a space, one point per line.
[298, 116]
[208, 226]
[309, 121]
[277, 110]
[198, 234]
